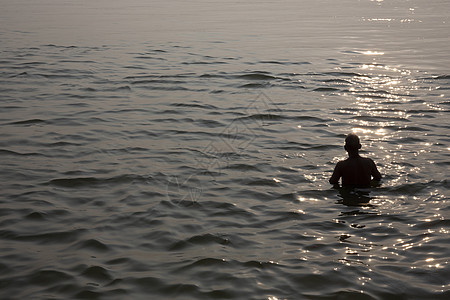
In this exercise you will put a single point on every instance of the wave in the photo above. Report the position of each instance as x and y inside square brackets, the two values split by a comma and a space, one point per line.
[14, 153]
[46, 238]
[78, 182]
[276, 117]
[91, 245]
[256, 76]
[205, 63]
[276, 62]
[195, 105]
[381, 118]
[204, 239]
[325, 89]
[254, 85]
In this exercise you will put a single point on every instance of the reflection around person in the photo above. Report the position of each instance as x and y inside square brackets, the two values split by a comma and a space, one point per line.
[358, 174]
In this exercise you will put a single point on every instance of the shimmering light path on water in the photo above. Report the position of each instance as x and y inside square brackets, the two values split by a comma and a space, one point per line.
[182, 150]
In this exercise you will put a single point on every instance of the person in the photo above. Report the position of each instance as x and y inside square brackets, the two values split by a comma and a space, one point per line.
[356, 171]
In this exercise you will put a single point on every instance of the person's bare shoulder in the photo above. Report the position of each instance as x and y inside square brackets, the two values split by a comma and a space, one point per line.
[340, 164]
[368, 160]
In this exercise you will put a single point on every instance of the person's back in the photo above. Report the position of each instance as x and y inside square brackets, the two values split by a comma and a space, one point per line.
[356, 171]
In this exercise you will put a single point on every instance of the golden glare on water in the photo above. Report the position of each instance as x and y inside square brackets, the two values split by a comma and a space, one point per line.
[373, 53]
[303, 199]
[379, 131]
[374, 89]
[378, 115]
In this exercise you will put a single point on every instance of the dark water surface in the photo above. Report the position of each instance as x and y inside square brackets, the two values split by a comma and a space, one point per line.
[181, 149]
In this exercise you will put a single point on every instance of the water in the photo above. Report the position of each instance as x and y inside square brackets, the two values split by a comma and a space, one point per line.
[181, 149]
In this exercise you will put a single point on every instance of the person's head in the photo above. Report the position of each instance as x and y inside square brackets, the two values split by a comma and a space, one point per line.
[352, 143]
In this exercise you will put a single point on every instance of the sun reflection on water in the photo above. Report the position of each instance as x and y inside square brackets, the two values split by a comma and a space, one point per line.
[369, 52]
[391, 110]
[383, 121]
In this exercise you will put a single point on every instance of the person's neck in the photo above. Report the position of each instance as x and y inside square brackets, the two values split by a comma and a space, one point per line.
[353, 154]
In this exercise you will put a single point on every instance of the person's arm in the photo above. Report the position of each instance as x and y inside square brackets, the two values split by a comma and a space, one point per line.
[375, 173]
[336, 174]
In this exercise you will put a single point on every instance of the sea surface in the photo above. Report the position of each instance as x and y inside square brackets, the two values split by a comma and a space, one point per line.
[182, 149]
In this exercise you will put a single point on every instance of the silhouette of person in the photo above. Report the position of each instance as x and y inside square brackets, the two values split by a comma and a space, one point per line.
[356, 171]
